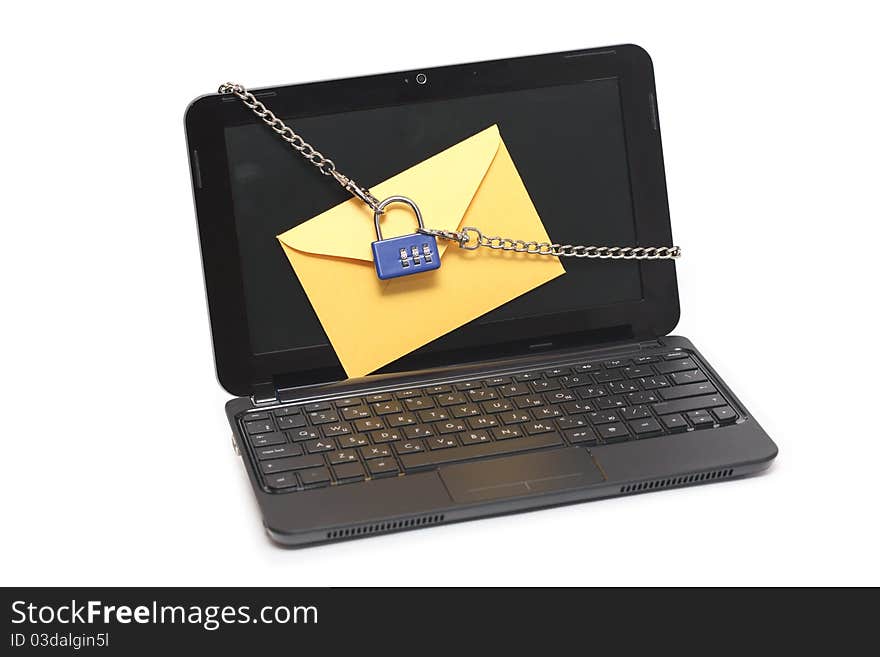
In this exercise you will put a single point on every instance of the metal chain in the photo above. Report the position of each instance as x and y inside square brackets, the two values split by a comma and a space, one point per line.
[312, 155]
[471, 238]
[468, 237]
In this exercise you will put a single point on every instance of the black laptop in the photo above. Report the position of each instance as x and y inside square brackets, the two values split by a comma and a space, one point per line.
[571, 392]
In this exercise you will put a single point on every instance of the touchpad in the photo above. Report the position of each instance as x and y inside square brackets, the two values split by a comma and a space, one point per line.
[523, 474]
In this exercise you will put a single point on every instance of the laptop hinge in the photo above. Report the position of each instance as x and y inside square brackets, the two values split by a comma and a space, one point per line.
[264, 393]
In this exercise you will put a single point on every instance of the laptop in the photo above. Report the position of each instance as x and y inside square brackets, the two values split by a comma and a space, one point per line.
[573, 391]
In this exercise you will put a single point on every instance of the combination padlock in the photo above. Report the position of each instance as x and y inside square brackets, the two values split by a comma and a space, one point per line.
[407, 254]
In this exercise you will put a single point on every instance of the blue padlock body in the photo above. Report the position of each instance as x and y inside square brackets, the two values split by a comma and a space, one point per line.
[390, 263]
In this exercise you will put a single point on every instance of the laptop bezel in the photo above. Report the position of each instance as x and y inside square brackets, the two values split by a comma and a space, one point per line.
[240, 371]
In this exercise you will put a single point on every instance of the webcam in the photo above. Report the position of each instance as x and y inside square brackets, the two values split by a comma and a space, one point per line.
[421, 78]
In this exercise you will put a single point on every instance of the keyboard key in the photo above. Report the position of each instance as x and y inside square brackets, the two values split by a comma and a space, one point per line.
[409, 446]
[672, 355]
[388, 436]
[635, 412]
[375, 452]
[438, 390]
[560, 396]
[317, 406]
[382, 467]
[442, 442]
[515, 417]
[535, 428]
[387, 407]
[338, 429]
[608, 375]
[303, 434]
[700, 419]
[291, 421]
[545, 385]
[278, 451]
[482, 422]
[497, 381]
[369, 424]
[468, 385]
[291, 463]
[482, 395]
[529, 401]
[592, 392]
[571, 422]
[688, 404]
[323, 445]
[556, 372]
[259, 426]
[418, 431]
[610, 402]
[514, 390]
[604, 417]
[401, 419]
[646, 428]
[674, 422]
[689, 390]
[408, 394]
[345, 402]
[724, 414]
[620, 387]
[612, 364]
[452, 399]
[583, 435]
[676, 366]
[506, 433]
[638, 372]
[281, 481]
[356, 412]
[439, 457]
[323, 417]
[315, 477]
[642, 398]
[419, 403]
[497, 406]
[641, 360]
[576, 380]
[379, 397]
[266, 439]
[654, 382]
[691, 376]
[348, 472]
[250, 417]
[342, 456]
[473, 437]
[527, 376]
[354, 440]
[467, 410]
[433, 415]
[452, 426]
[612, 433]
[574, 408]
[587, 367]
[547, 412]
[287, 410]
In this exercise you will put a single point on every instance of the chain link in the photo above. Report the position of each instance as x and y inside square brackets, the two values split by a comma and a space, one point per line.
[468, 237]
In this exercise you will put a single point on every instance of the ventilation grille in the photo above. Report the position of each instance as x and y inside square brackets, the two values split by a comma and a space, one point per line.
[677, 481]
[378, 528]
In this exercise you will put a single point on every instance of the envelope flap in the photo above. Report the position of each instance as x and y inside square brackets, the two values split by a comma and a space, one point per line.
[442, 186]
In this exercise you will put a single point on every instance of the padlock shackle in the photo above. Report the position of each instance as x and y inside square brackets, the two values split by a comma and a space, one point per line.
[380, 210]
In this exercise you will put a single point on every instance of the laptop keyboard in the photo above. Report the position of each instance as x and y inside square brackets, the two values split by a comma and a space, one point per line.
[387, 434]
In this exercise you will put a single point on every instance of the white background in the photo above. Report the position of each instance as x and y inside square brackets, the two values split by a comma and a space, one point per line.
[117, 467]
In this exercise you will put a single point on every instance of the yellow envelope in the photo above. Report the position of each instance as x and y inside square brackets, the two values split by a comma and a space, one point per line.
[371, 322]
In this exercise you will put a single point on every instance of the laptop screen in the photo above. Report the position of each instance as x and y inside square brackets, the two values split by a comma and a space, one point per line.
[567, 142]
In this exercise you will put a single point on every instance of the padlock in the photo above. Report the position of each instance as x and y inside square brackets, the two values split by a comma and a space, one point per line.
[407, 254]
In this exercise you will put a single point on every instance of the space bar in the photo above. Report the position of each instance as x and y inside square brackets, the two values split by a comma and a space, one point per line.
[453, 454]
